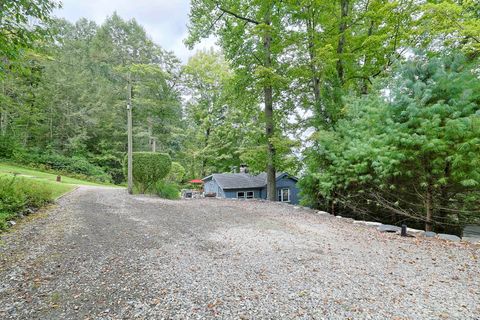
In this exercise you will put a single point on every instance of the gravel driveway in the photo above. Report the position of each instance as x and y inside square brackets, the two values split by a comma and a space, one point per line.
[102, 254]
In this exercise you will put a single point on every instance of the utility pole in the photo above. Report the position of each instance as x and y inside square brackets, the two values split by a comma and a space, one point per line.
[130, 139]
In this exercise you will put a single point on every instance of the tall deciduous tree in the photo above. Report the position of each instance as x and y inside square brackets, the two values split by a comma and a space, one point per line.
[249, 33]
[205, 80]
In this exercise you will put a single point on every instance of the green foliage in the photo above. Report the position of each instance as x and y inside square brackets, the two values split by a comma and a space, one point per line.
[176, 174]
[421, 141]
[413, 133]
[8, 147]
[16, 28]
[74, 166]
[111, 164]
[167, 190]
[68, 96]
[46, 176]
[223, 121]
[148, 169]
[18, 194]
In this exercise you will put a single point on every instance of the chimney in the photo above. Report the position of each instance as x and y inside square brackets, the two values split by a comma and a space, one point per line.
[243, 168]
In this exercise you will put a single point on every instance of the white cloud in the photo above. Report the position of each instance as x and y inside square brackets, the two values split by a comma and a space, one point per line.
[164, 20]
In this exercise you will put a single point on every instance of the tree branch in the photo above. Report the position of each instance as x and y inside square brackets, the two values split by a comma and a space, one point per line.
[236, 15]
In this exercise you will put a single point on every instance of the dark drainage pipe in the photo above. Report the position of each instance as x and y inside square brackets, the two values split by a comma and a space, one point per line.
[404, 230]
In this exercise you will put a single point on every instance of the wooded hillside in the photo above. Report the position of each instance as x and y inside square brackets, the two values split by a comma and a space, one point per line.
[374, 104]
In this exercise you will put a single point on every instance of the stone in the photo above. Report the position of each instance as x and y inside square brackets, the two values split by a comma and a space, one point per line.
[388, 228]
[323, 212]
[471, 233]
[359, 222]
[471, 240]
[414, 231]
[372, 223]
[449, 237]
[429, 234]
[12, 223]
[339, 217]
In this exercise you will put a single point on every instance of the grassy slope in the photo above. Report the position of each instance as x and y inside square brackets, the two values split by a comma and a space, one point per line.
[10, 170]
[43, 180]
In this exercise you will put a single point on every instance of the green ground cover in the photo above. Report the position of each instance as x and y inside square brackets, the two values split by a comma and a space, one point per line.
[7, 169]
[22, 189]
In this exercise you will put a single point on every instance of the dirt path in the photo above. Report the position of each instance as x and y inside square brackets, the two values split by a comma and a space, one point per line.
[101, 254]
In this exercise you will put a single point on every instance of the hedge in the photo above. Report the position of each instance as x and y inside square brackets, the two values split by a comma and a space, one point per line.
[148, 169]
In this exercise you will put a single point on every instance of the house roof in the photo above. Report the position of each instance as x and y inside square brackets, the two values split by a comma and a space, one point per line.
[241, 180]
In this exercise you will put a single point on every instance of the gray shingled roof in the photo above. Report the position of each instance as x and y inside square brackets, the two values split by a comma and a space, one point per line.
[240, 180]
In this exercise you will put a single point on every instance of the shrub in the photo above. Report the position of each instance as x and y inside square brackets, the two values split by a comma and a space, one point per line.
[148, 169]
[176, 174]
[111, 163]
[167, 190]
[8, 146]
[18, 194]
[12, 199]
[76, 167]
[36, 195]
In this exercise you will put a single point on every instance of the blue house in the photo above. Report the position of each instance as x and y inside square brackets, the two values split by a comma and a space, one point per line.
[247, 186]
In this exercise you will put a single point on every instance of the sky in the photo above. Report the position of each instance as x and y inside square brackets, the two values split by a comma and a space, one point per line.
[164, 20]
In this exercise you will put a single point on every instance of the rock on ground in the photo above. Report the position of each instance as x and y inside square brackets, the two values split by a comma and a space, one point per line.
[449, 237]
[102, 254]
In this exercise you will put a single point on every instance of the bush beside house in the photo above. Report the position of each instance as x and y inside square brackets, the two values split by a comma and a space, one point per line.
[167, 190]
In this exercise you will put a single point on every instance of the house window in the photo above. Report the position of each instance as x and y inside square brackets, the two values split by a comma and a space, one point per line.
[245, 195]
[283, 195]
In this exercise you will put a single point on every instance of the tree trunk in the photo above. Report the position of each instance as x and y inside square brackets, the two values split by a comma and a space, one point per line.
[313, 69]
[269, 122]
[3, 122]
[51, 125]
[150, 132]
[341, 41]
[443, 199]
[204, 160]
[365, 80]
[428, 208]
[3, 114]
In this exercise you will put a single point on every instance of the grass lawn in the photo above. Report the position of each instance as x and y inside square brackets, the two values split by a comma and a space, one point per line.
[10, 170]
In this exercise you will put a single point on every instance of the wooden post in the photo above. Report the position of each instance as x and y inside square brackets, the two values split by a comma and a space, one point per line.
[130, 138]
[269, 120]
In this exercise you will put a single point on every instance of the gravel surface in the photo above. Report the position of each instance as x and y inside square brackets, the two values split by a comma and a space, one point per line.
[102, 254]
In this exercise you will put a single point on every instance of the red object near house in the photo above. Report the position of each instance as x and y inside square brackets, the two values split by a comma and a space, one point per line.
[195, 181]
